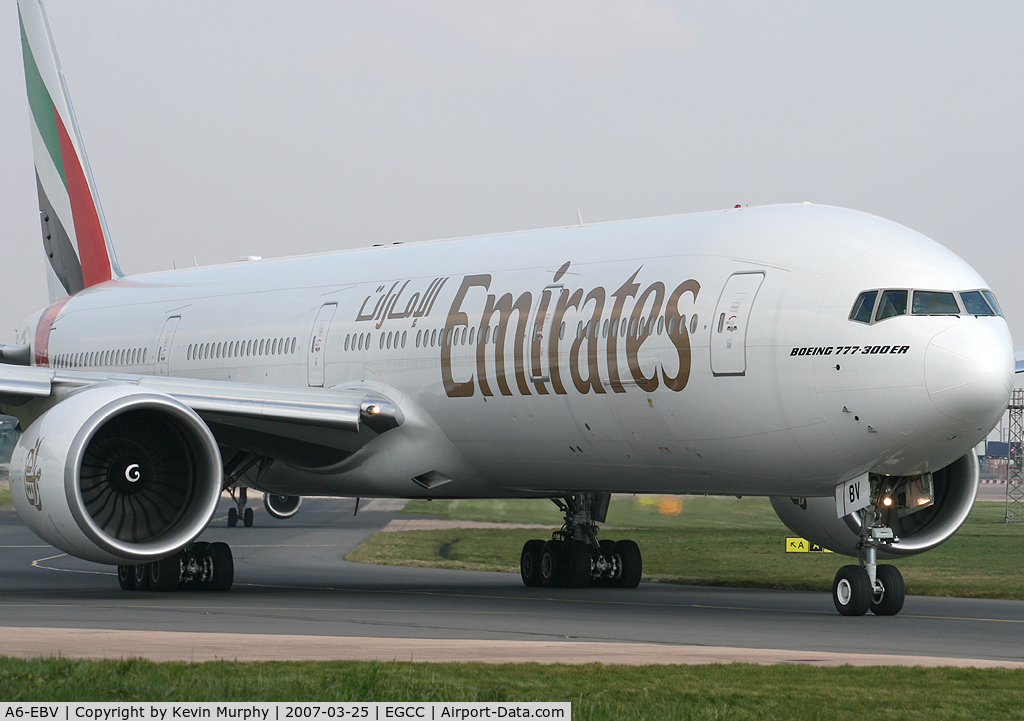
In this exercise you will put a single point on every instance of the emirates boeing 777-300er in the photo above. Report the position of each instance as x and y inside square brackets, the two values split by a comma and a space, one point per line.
[838, 363]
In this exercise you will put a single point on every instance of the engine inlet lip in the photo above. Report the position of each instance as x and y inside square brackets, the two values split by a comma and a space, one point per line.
[205, 451]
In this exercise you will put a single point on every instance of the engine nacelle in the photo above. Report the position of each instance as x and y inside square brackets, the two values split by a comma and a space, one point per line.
[114, 474]
[954, 487]
[281, 507]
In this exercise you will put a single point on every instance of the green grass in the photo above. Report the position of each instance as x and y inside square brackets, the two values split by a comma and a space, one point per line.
[735, 692]
[624, 512]
[716, 542]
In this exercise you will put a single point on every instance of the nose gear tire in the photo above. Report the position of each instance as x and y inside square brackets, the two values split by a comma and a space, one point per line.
[851, 591]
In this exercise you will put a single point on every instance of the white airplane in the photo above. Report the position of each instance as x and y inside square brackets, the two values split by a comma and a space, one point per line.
[839, 363]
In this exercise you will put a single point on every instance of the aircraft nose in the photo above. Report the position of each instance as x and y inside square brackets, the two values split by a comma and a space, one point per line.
[968, 371]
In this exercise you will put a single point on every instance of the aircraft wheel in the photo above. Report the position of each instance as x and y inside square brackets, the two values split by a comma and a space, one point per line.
[605, 578]
[140, 576]
[576, 564]
[851, 591]
[247, 518]
[529, 562]
[126, 577]
[889, 600]
[550, 562]
[631, 564]
[232, 517]
[165, 574]
[222, 567]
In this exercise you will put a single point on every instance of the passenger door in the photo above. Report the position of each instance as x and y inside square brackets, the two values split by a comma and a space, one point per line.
[317, 357]
[732, 316]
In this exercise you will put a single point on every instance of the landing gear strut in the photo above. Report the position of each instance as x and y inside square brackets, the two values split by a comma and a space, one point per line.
[203, 567]
[240, 496]
[574, 558]
[868, 586]
[234, 470]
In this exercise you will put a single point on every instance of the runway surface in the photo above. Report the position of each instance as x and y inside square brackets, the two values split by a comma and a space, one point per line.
[291, 581]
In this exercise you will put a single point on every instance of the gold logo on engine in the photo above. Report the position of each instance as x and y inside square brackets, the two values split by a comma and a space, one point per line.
[32, 476]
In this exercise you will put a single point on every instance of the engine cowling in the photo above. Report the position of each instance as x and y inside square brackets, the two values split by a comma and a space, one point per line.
[114, 474]
[955, 487]
[281, 507]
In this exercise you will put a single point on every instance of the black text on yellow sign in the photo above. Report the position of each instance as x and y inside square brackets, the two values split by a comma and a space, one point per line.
[802, 545]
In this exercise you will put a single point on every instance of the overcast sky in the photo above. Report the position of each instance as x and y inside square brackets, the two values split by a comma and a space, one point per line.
[232, 128]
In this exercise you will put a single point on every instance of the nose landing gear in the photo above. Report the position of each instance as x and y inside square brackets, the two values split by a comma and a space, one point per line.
[880, 589]
[574, 558]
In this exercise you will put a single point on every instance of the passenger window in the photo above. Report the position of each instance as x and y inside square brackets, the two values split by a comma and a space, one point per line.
[893, 302]
[975, 303]
[931, 302]
[992, 302]
[863, 306]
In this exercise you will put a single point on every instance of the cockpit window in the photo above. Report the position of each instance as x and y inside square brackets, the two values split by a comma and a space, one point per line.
[894, 302]
[862, 308]
[931, 302]
[975, 303]
[992, 302]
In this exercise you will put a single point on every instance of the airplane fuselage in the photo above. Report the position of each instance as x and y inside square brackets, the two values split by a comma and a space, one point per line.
[709, 353]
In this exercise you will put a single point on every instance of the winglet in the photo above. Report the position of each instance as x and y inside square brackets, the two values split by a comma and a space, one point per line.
[74, 230]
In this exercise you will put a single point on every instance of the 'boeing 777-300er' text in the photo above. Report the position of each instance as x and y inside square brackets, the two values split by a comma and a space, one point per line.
[839, 363]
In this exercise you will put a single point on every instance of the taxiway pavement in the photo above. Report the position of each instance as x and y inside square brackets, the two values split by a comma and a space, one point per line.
[296, 597]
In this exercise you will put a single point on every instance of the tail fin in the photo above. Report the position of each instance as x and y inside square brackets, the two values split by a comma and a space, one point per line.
[74, 230]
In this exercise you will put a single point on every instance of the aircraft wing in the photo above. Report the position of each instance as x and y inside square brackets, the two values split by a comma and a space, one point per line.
[292, 424]
[1018, 356]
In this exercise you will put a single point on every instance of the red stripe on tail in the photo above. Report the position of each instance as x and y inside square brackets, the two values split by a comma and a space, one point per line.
[92, 247]
[42, 345]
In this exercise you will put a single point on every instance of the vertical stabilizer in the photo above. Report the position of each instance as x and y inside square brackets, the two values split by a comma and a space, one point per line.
[75, 234]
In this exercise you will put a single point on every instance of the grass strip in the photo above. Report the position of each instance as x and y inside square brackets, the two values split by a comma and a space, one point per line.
[721, 542]
[734, 691]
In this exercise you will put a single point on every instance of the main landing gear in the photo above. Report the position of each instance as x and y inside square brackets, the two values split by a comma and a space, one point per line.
[868, 586]
[201, 567]
[240, 496]
[574, 558]
[234, 471]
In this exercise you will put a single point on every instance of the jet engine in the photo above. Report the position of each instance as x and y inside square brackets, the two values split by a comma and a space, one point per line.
[926, 510]
[118, 475]
[281, 507]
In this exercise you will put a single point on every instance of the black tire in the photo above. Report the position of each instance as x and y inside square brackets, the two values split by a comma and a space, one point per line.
[630, 562]
[232, 517]
[551, 563]
[165, 574]
[222, 567]
[576, 564]
[529, 562]
[140, 576]
[126, 577]
[851, 591]
[890, 600]
[247, 518]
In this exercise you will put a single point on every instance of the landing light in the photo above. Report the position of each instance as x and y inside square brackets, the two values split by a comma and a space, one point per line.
[372, 410]
[887, 501]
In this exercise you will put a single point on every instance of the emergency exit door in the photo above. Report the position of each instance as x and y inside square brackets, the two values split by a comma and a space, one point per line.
[732, 317]
[164, 346]
[318, 345]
